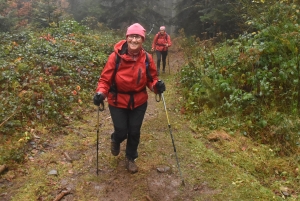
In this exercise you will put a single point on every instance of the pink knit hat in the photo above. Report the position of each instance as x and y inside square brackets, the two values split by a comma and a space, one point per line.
[162, 28]
[136, 29]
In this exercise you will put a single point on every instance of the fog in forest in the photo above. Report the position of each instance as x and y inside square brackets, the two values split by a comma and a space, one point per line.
[203, 18]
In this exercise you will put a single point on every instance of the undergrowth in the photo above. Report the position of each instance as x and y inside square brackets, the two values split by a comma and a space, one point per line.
[248, 84]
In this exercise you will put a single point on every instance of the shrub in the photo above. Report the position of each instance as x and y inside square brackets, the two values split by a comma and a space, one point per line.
[251, 77]
[45, 75]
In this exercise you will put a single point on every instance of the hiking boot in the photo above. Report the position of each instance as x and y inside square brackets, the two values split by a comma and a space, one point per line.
[131, 166]
[115, 148]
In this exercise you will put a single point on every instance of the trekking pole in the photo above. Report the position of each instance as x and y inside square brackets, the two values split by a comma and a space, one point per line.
[100, 108]
[151, 29]
[161, 96]
[169, 65]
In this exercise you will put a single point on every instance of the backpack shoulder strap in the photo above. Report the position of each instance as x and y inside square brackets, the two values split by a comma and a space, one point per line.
[147, 60]
[157, 36]
[117, 61]
[113, 87]
[147, 67]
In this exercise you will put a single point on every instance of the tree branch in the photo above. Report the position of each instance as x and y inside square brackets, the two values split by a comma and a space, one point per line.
[9, 117]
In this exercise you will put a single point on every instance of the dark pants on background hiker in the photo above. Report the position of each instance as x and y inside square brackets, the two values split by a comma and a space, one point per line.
[127, 125]
[161, 55]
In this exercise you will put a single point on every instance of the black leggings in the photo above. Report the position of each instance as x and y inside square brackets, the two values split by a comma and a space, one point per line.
[161, 55]
[127, 125]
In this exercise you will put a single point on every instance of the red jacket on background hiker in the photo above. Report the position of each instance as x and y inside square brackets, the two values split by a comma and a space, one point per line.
[161, 42]
[130, 78]
[160, 45]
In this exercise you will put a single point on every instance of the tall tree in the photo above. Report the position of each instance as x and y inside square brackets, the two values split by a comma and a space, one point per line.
[121, 13]
[14, 14]
[188, 16]
[206, 18]
[8, 16]
[81, 9]
[118, 14]
[45, 12]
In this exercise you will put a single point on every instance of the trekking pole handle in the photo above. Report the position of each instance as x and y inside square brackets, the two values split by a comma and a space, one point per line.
[158, 97]
[101, 106]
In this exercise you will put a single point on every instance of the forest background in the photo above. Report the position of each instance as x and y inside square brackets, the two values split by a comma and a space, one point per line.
[241, 72]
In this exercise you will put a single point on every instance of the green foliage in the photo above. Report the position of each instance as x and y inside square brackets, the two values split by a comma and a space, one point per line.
[17, 15]
[254, 78]
[7, 17]
[46, 77]
[206, 19]
[45, 12]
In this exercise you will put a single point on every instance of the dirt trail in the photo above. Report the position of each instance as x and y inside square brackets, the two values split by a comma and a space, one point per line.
[72, 157]
[61, 166]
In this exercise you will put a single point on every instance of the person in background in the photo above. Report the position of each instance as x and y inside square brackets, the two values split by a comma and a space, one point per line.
[160, 44]
[125, 90]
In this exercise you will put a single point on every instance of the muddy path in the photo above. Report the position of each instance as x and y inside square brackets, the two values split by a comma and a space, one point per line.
[62, 165]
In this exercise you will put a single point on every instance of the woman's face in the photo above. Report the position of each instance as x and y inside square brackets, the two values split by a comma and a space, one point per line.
[134, 42]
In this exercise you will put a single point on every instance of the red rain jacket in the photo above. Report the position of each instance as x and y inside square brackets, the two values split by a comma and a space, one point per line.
[130, 78]
[160, 41]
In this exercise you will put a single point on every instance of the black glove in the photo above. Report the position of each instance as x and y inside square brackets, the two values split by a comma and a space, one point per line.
[160, 87]
[98, 99]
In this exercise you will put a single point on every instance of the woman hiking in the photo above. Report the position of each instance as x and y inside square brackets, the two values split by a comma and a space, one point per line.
[160, 44]
[123, 81]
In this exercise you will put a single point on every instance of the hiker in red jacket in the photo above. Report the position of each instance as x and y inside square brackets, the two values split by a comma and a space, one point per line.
[127, 73]
[160, 44]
